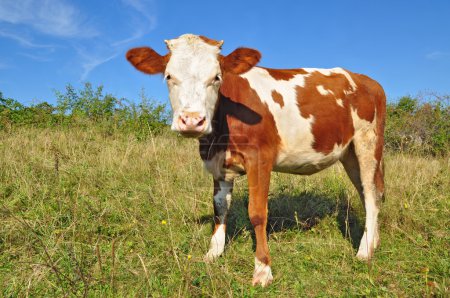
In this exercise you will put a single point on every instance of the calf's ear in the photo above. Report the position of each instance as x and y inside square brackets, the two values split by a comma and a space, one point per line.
[147, 60]
[240, 60]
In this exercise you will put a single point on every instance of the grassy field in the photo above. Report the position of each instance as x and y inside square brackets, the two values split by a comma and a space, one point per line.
[86, 213]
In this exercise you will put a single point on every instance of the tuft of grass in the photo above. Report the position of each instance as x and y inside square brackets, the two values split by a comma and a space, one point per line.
[85, 213]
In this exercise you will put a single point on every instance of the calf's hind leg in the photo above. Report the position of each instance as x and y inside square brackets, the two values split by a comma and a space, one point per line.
[369, 184]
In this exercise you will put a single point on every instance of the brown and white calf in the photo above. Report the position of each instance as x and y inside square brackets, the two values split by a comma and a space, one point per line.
[254, 120]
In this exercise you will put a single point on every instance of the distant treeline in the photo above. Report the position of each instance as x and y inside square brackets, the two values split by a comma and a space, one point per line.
[418, 124]
[87, 107]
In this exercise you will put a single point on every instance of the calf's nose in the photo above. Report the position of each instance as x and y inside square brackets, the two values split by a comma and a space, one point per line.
[191, 121]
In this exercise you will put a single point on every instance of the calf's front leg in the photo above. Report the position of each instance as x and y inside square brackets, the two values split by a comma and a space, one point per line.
[258, 184]
[222, 201]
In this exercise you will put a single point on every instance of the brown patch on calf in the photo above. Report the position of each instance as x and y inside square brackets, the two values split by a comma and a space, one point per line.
[263, 258]
[242, 124]
[332, 124]
[278, 98]
[257, 220]
[368, 98]
[284, 74]
[253, 125]
[364, 109]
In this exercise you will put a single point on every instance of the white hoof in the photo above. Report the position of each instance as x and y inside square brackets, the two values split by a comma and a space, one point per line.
[217, 245]
[211, 256]
[365, 250]
[262, 275]
[363, 256]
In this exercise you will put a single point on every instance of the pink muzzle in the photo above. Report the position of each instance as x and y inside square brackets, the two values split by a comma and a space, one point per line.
[191, 123]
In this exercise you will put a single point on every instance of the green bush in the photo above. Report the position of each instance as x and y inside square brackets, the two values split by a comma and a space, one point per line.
[88, 107]
[419, 125]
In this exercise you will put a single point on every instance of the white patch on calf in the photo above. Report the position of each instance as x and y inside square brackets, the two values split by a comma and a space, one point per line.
[324, 91]
[359, 123]
[347, 75]
[323, 71]
[328, 72]
[223, 197]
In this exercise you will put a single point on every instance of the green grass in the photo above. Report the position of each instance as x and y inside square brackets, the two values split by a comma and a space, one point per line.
[84, 213]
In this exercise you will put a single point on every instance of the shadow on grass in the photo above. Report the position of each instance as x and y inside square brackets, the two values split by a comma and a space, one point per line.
[299, 212]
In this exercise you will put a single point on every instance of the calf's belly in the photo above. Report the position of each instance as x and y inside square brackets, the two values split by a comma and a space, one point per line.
[224, 167]
[306, 163]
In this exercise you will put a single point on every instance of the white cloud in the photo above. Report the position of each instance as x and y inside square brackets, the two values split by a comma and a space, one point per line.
[92, 58]
[70, 28]
[36, 57]
[52, 17]
[146, 8]
[437, 55]
[23, 41]
[143, 23]
[144, 20]
[94, 62]
[136, 35]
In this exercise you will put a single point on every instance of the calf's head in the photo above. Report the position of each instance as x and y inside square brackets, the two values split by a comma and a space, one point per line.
[194, 70]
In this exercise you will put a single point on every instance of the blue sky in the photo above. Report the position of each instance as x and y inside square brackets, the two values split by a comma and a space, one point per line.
[45, 44]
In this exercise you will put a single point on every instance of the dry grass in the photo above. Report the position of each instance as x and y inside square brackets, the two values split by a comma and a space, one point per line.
[85, 213]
